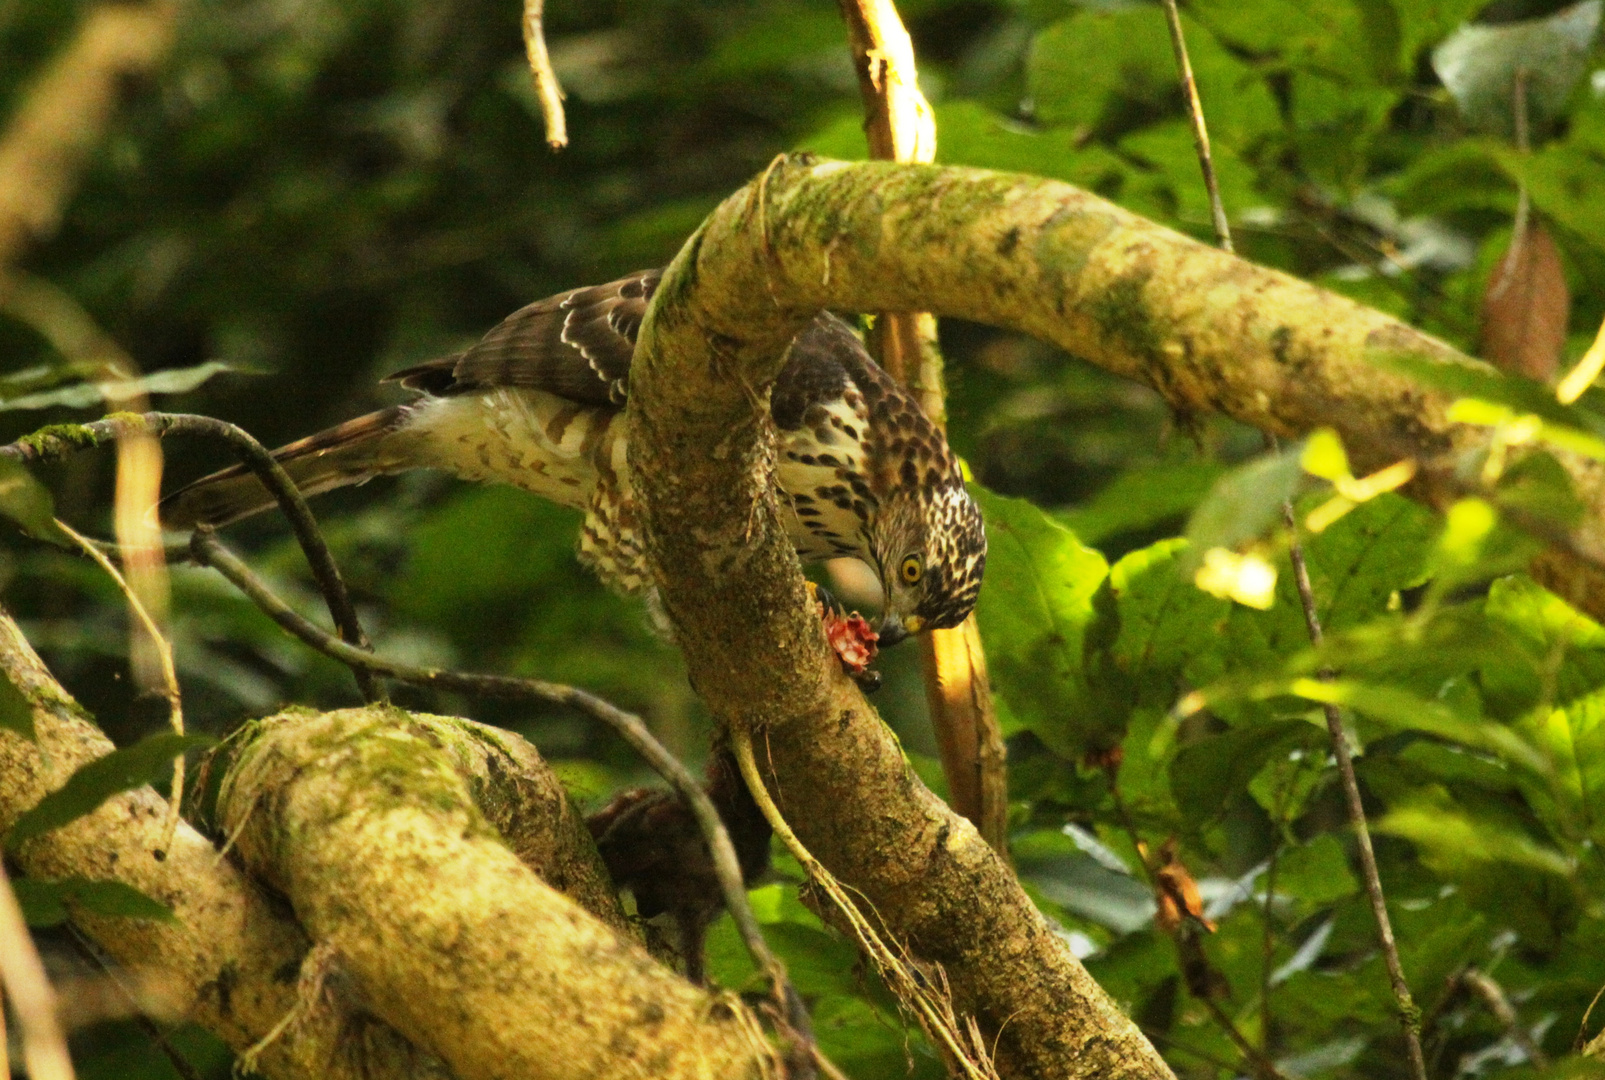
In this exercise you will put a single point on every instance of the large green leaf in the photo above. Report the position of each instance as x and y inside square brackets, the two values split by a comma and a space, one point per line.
[1152, 621]
[1206, 772]
[47, 903]
[1034, 611]
[1359, 562]
[1136, 70]
[121, 770]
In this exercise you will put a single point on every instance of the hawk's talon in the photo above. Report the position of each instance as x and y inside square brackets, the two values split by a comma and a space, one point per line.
[868, 680]
[828, 599]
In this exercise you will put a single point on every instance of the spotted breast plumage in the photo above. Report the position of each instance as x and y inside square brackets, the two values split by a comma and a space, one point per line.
[539, 403]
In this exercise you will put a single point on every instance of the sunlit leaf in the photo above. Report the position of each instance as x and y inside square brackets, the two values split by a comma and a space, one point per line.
[1244, 504]
[1453, 837]
[50, 903]
[143, 763]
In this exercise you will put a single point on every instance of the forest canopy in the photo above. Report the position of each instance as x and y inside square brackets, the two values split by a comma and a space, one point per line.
[280, 202]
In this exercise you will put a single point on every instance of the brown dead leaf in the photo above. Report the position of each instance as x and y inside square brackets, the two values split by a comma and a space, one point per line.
[1526, 307]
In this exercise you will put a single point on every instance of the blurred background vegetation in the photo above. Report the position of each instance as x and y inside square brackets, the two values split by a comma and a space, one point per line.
[315, 193]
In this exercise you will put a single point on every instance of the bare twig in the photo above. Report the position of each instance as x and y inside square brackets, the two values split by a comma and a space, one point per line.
[169, 674]
[44, 1046]
[208, 550]
[547, 88]
[1409, 1014]
[55, 443]
[1493, 996]
[1195, 112]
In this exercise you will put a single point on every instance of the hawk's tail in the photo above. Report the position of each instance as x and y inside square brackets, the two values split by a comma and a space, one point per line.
[349, 453]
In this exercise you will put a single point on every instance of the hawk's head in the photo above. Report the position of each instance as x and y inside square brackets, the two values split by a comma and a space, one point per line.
[929, 546]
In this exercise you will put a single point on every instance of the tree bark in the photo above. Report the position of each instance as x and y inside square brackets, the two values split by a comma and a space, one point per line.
[733, 589]
[405, 845]
[363, 820]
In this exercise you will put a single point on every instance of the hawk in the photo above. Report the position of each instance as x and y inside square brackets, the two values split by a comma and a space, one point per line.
[539, 403]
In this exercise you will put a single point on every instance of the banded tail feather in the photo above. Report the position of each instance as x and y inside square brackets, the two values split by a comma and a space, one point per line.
[348, 453]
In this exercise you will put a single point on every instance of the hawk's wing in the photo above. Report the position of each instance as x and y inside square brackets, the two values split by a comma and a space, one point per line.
[577, 345]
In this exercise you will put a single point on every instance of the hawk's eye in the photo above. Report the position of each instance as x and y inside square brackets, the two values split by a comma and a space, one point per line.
[913, 567]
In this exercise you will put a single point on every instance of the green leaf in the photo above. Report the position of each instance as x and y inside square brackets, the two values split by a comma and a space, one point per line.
[1034, 611]
[1208, 771]
[121, 770]
[1479, 64]
[87, 395]
[1359, 562]
[1157, 620]
[1452, 839]
[45, 903]
[1136, 70]
[1142, 498]
[1244, 504]
[27, 502]
[1317, 872]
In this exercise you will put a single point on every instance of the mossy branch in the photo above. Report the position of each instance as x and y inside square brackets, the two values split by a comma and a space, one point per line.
[805, 236]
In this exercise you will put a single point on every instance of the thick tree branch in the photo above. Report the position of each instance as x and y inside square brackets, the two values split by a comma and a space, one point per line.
[224, 958]
[361, 818]
[1208, 330]
[732, 587]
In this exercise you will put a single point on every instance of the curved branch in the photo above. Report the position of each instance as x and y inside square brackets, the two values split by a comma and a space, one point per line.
[61, 440]
[224, 956]
[1208, 330]
[362, 820]
[807, 236]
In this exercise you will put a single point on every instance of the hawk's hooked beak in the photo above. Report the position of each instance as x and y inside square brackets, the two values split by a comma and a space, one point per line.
[892, 629]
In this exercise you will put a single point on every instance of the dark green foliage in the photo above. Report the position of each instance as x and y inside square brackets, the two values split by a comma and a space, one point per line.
[329, 190]
[50, 903]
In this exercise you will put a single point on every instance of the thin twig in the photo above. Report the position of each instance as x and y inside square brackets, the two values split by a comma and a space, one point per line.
[1195, 112]
[208, 550]
[1409, 1014]
[52, 444]
[22, 974]
[1493, 996]
[169, 673]
[547, 88]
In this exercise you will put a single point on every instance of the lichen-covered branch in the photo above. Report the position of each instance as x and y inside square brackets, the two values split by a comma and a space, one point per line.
[731, 585]
[1208, 330]
[365, 824]
[224, 958]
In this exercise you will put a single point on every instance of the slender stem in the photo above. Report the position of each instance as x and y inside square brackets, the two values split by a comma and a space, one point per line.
[54, 444]
[208, 550]
[1195, 112]
[1493, 996]
[547, 88]
[164, 656]
[1409, 1014]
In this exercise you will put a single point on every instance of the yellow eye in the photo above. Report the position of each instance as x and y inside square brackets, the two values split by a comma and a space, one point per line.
[913, 566]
